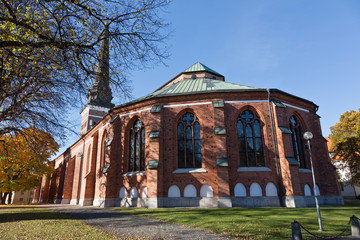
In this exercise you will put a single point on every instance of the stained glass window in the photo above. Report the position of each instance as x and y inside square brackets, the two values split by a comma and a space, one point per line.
[189, 141]
[297, 142]
[250, 144]
[137, 147]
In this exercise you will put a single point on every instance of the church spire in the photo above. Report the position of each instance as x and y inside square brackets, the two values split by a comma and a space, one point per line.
[99, 96]
[100, 92]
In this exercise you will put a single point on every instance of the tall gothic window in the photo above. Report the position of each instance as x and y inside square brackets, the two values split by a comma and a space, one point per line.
[250, 140]
[103, 151]
[297, 142]
[189, 141]
[137, 147]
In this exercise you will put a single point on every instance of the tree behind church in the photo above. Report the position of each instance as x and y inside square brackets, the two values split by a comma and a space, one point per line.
[23, 160]
[345, 138]
[49, 52]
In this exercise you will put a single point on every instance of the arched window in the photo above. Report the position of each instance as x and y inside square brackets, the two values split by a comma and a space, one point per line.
[122, 192]
[137, 147]
[255, 190]
[133, 192]
[250, 140]
[317, 190]
[271, 190]
[103, 151]
[206, 191]
[297, 142]
[144, 192]
[307, 190]
[174, 191]
[189, 142]
[240, 190]
[190, 191]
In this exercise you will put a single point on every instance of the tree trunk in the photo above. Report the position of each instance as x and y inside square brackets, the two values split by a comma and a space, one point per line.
[9, 198]
[3, 197]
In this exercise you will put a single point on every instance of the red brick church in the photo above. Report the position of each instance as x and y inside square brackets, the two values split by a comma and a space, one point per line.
[196, 141]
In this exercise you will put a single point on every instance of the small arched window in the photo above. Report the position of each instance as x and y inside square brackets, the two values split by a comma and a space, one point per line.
[250, 140]
[307, 190]
[137, 147]
[122, 192]
[190, 191]
[206, 191]
[271, 190]
[297, 141]
[255, 190]
[240, 190]
[174, 191]
[189, 141]
[133, 192]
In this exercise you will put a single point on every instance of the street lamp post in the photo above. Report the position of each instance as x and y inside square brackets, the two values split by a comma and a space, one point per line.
[308, 136]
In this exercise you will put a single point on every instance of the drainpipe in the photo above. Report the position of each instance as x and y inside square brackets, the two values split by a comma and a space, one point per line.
[275, 150]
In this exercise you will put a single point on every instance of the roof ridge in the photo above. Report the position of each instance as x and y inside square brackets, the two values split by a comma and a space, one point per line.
[198, 66]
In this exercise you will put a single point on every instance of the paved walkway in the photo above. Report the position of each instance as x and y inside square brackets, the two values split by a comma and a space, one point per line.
[123, 225]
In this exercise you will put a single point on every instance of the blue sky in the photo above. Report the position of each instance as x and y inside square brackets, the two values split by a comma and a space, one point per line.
[307, 48]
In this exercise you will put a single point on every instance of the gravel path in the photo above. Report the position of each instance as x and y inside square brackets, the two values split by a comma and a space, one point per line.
[123, 225]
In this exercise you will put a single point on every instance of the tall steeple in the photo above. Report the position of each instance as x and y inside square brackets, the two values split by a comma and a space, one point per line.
[100, 92]
[99, 96]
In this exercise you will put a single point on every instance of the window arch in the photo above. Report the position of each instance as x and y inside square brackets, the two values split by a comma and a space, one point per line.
[144, 192]
[307, 190]
[240, 190]
[137, 147]
[206, 191]
[190, 191]
[317, 190]
[174, 191]
[255, 190]
[133, 192]
[271, 190]
[189, 141]
[297, 141]
[122, 192]
[250, 140]
[103, 151]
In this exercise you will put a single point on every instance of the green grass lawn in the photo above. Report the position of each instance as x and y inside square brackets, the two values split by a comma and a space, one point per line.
[256, 223]
[30, 222]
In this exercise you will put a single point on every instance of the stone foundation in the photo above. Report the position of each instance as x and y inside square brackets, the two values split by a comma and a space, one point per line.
[86, 202]
[65, 201]
[301, 201]
[224, 202]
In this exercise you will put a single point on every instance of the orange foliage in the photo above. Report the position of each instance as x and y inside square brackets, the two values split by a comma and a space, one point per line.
[24, 158]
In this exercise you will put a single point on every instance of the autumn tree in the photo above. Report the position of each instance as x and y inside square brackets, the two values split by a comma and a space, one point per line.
[49, 51]
[345, 138]
[23, 160]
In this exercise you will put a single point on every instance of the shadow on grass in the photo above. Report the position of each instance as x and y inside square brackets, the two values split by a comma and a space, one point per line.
[10, 213]
[29, 215]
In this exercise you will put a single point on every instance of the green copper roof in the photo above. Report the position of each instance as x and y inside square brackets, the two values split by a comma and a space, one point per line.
[189, 86]
[198, 67]
[199, 85]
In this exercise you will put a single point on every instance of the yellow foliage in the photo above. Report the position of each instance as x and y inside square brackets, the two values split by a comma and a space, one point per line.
[24, 159]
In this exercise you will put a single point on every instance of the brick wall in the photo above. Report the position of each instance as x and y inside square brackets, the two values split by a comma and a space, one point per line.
[290, 181]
